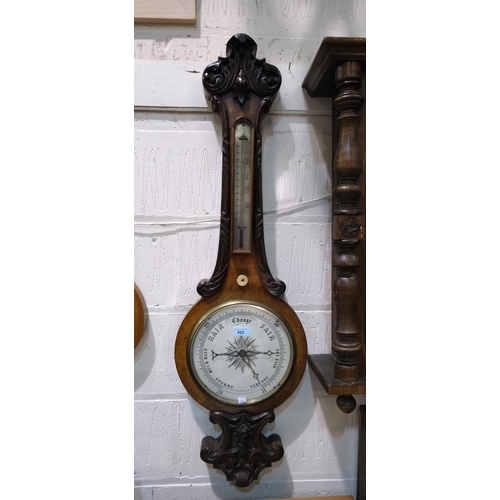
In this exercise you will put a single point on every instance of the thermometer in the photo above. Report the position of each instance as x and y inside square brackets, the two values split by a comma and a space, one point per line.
[242, 187]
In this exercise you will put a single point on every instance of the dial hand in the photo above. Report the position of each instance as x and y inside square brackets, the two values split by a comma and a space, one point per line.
[269, 353]
[243, 355]
[215, 354]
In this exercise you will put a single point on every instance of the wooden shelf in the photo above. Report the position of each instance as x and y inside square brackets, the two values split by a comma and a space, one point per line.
[323, 367]
[320, 79]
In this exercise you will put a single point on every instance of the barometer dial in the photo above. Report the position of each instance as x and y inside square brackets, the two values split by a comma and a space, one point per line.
[241, 352]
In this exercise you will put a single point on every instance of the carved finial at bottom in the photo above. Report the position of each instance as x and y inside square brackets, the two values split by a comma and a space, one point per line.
[346, 403]
[241, 451]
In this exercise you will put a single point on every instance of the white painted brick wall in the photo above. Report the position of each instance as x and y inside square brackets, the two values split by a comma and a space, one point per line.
[177, 201]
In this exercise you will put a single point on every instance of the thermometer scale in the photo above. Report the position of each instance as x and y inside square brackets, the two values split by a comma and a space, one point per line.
[242, 187]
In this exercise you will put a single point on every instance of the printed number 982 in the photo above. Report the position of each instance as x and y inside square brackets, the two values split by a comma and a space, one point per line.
[241, 331]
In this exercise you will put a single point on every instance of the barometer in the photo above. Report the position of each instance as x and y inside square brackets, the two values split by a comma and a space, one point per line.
[241, 350]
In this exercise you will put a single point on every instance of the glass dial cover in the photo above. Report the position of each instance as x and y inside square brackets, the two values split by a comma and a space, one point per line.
[241, 352]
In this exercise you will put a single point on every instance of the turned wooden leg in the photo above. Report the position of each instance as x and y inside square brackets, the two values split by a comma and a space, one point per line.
[348, 165]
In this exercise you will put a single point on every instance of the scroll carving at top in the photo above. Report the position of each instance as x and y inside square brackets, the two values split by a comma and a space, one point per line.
[241, 71]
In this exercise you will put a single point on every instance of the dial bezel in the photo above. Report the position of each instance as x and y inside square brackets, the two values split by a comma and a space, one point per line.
[255, 292]
[241, 303]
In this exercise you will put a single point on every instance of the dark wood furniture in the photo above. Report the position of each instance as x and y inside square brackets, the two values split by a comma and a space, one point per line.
[338, 71]
[361, 493]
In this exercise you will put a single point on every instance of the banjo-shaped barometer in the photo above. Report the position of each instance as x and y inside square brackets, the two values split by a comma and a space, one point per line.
[241, 350]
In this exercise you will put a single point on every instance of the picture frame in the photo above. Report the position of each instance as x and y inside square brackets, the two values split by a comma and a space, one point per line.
[165, 12]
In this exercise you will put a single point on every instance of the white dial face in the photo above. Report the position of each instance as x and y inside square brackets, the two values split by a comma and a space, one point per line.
[241, 353]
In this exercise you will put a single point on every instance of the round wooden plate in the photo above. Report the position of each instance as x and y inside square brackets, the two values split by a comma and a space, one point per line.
[139, 315]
